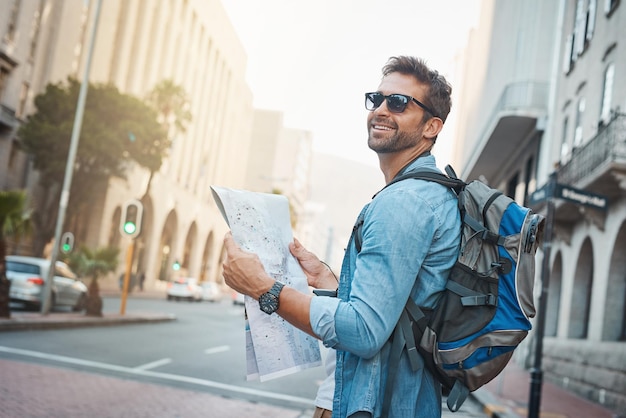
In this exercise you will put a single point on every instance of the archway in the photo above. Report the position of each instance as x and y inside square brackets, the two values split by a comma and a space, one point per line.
[614, 324]
[190, 242]
[554, 297]
[581, 295]
[166, 255]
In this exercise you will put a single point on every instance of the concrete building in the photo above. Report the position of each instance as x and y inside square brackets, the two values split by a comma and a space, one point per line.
[139, 43]
[280, 161]
[541, 96]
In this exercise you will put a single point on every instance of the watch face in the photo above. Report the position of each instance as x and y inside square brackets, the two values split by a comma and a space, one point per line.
[268, 303]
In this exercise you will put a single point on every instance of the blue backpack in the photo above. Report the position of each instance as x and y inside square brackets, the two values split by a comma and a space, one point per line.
[484, 312]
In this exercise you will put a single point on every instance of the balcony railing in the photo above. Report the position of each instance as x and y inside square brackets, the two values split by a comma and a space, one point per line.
[608, 146]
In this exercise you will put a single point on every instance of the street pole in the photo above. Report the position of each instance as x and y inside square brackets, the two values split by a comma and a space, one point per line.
[129, 265]
[69, 167]
[536, 374]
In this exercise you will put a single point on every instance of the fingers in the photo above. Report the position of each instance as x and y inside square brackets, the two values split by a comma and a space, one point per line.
[229, 242]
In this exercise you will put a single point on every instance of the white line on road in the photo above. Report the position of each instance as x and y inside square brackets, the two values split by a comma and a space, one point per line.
[165, 376]
[154, 364]
[217, 349]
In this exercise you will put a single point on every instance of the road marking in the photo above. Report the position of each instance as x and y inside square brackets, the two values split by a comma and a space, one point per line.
[154, 364]
[165, 376]
[218, 349]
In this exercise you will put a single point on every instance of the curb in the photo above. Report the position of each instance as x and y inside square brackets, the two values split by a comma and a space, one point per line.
[492, 405]
[38, 322]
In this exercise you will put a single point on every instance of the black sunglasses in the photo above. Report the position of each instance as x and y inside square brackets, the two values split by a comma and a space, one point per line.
[396, 103]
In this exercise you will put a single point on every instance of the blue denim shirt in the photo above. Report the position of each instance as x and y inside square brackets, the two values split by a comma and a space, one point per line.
[411, 230]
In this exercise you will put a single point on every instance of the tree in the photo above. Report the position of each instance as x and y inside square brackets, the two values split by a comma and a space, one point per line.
[14, 221]
[117, 129]
[171, 103]
[93, 264]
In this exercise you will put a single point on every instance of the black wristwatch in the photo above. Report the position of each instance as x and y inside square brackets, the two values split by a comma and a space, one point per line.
[268, 302]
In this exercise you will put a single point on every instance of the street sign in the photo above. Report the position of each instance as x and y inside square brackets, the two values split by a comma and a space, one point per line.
[538, 195]
[582, 197]
[571, 194]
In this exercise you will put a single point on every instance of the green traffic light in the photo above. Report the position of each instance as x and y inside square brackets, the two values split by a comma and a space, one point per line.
[130, 227]
[67, 248]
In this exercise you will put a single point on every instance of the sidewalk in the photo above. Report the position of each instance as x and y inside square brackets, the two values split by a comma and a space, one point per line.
[505, 397]
[508, 394]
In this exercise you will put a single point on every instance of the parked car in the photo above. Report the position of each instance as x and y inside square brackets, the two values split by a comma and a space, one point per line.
[211, 291]
[28, 276]
[184, 288]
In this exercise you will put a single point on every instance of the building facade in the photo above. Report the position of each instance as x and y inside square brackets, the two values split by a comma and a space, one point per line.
[544, 98]
[138, 44]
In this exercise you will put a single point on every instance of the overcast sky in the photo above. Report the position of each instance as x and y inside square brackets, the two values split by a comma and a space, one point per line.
[314, 60]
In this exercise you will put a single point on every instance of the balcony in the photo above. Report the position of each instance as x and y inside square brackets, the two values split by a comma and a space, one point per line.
[599, 166]
[513, 121]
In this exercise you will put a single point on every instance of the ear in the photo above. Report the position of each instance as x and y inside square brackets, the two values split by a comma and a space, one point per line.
[432, 127]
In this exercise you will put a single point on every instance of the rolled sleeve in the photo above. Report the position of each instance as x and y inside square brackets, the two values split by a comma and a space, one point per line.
[322, 317]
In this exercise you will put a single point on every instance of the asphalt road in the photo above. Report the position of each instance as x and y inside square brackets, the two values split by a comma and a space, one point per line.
[203, 350]
[205, 346]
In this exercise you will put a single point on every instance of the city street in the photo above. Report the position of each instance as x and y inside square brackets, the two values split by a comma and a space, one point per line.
[202, 353]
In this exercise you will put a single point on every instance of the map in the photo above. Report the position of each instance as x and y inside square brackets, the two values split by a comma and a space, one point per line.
[260, 223]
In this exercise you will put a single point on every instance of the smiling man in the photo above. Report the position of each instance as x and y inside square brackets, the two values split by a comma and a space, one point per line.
[410, 239]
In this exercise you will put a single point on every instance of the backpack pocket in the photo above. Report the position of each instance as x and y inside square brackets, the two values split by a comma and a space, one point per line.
[467, 305]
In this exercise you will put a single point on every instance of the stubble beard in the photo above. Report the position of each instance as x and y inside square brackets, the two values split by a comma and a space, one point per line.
[400, 141]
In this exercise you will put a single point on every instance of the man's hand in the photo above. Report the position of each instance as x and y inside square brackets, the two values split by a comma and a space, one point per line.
[318, 275]
[243, 271]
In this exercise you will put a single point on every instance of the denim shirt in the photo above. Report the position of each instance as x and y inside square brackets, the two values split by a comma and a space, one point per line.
[411, 236]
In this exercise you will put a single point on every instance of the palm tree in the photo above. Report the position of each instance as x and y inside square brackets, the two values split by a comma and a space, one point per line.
[14, 221]
[172, 105]
[93, 264]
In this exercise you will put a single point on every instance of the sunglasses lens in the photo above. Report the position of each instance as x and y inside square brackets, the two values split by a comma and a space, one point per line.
[373, 100]
[397, 103]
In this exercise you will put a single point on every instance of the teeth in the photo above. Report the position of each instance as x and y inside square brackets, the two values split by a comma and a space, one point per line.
[384, 128]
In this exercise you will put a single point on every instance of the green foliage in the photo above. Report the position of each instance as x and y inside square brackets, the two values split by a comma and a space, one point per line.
[117, 129]
[110, 120]
[14, 218]
[93, 263]
[171, 103]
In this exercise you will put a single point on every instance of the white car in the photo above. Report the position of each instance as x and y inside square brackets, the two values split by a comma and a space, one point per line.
[28, 276]
[184, 288]
[211, 291]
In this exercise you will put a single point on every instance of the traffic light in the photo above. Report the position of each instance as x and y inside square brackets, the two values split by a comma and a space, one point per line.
[67, 242]
[176, 266]
[131, 218]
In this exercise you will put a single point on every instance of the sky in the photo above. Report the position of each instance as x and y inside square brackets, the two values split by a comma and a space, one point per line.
[314, 60]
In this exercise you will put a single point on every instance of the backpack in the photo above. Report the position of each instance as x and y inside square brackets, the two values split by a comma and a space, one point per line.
[483, 314]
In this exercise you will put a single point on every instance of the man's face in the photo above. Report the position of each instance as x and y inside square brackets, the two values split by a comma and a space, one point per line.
[393, 132]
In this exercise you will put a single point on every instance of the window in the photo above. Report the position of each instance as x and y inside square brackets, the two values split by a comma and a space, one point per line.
[9, 36]
[4, 77]
[580, 27]
[569, 54]
[591, 19]
[23, 98]
[607, 94]
[565, 148]
[610, 6]
[578, 130]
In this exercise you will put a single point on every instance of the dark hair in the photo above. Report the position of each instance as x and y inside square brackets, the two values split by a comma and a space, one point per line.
[439, 90]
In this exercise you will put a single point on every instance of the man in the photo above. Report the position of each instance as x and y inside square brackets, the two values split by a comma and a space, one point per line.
[410, 239]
